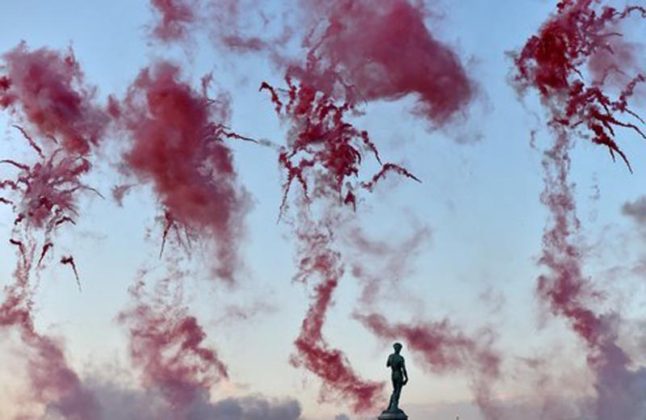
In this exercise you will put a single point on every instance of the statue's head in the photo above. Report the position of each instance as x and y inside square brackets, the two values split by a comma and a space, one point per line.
[397, 347]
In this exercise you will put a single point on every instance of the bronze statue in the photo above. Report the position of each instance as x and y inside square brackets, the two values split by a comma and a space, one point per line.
[399, 378]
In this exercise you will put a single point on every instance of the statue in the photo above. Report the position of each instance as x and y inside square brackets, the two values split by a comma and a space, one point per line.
[399, 378]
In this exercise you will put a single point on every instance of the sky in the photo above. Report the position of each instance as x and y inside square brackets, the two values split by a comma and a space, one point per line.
[477, 214]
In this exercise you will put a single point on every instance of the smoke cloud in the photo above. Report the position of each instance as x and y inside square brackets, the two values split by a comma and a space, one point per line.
[636, 210]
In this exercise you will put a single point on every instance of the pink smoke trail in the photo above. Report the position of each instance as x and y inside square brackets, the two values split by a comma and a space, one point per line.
[166, 344]
[552, 62]
[321, 262]
[52, 382]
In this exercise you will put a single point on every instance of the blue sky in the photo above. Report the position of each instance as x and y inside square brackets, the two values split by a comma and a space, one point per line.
[480, 198]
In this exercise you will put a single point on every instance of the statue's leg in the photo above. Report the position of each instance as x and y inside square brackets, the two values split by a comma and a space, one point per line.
[396, 393]
[393, 403]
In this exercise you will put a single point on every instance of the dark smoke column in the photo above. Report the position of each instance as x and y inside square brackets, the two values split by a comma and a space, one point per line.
[586, 89]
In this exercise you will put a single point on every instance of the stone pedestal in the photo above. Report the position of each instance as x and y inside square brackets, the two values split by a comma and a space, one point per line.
[393, 415]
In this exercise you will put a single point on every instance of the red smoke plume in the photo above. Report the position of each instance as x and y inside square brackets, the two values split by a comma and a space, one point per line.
[43, 197]
[52, 382]
[331, 365]
[176, 17]
[322, 139]
[553, 63]
[441, 345]
[166, 343]
[47, 190]
[44, 194]
[225, 21]
[368, 50]
[46, 91]
[177, 146]
[569, 293]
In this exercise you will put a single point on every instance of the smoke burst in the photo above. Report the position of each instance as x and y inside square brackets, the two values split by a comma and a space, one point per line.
[553, 62]
[46, 90]
[178, 145]
[365, 51]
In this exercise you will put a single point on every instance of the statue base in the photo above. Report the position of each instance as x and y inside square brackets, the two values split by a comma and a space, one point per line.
[393, 415]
